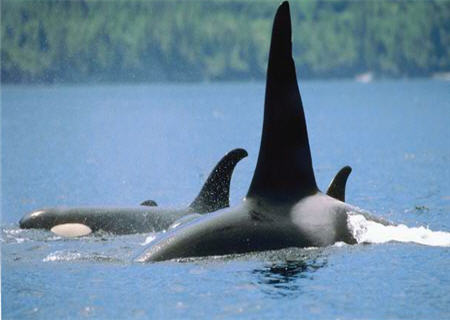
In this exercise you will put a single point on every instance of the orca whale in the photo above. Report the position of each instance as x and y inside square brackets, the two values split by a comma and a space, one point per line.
[283, 206]
[213, 196]
[336, 189]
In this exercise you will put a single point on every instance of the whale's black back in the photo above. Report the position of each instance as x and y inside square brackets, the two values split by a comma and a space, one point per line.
[284, 170]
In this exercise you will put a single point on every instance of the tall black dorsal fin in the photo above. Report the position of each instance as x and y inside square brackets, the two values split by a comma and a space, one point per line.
[336, 189]
[215, 192]
[284, 170]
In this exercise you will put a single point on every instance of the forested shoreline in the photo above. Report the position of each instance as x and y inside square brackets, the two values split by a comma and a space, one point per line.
[115, 41]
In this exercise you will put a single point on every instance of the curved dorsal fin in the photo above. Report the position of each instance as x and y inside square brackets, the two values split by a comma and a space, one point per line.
[284, 170]
[149, 203]
[215, 192]
[336, 189]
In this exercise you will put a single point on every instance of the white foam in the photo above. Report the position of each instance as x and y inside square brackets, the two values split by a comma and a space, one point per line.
[367, 231]
[62, 256]
[340, 244]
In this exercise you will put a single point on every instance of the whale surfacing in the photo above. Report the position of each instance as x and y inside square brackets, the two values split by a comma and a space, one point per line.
[283, 207]
[71, 222]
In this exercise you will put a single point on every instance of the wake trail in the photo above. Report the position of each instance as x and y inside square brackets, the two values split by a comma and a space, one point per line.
[367, 231]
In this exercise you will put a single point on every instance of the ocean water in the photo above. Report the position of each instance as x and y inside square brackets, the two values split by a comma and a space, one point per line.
[109, 145]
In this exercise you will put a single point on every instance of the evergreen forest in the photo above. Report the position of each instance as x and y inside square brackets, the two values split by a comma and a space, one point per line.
[113, 41]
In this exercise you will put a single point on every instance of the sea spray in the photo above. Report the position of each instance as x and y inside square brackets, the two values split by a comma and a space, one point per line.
[367, 231]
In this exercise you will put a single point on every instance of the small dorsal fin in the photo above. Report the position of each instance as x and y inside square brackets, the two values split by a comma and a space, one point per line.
[215, 192]
[336, 189]
[149, 203]
[284, 170]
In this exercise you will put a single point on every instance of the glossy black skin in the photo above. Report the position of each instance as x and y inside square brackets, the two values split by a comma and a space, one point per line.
[283, 207]
[149, 203]
[336, 189]
[213, 196]
[114, 220]
[255, 225]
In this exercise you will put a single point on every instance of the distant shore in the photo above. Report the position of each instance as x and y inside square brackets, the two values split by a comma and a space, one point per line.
[157, 41]
[91, 83]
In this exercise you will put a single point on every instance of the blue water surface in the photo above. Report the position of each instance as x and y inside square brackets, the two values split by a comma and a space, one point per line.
[122, 144]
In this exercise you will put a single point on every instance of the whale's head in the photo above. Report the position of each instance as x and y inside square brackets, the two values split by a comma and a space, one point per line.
[60, 221]
[40, 219]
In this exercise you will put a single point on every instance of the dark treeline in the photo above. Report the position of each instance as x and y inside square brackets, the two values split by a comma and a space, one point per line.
[72, 41]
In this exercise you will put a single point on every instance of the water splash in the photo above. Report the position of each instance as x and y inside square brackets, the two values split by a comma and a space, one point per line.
[12, 234]
[367, 231]
[64, 255]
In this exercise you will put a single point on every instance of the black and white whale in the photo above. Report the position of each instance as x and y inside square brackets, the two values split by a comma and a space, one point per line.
[283, 207]
[336, 189]
[213, 196]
